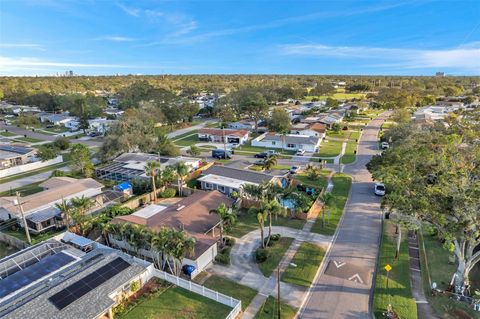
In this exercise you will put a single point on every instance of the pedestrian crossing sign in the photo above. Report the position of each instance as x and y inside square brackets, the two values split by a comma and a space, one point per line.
[388, 267]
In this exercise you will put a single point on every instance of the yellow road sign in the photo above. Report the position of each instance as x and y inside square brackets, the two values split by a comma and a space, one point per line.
[388, 268]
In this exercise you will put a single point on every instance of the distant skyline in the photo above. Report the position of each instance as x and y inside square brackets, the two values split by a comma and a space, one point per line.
[95, 37]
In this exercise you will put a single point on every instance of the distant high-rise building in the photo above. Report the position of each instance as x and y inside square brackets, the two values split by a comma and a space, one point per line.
[440, 74]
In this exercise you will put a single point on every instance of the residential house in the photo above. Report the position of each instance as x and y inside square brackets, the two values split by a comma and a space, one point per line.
[242, 125]
[113, 111]
[11, 155]
[431, 113]
[191, 214]
[315, 129]
[131, 166]
[39, 208]
[100, 125]
[228, 179]
[68, 277]
[289, 142]
[229, 136]
[330, 119]
[59, 119]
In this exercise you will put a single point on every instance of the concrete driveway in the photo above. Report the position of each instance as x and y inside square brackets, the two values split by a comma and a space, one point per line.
[336, 294]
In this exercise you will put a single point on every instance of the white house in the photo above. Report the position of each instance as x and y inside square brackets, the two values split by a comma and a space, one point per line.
[242, 125]
[315, 129]
[223, 135]
[289, 142]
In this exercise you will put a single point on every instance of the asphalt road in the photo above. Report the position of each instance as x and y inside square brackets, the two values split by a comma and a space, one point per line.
[45, 137]
[343, 288]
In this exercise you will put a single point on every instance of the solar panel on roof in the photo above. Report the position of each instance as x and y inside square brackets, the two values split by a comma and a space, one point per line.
[34, 272]
[80, 288]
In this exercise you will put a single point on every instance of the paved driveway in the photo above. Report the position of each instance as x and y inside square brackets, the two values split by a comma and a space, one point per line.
[338, 293]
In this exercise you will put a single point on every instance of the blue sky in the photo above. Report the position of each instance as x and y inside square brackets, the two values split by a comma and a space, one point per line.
[41, 37]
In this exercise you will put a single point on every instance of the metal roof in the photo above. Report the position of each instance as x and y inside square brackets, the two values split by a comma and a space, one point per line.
[16, 149]
[44, 214]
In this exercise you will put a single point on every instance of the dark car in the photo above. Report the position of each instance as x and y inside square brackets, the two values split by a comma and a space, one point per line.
[221, 154]
[261, 155]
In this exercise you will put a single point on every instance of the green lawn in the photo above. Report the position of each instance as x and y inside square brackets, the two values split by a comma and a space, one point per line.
[6, 250]
[7, 134]
[24, 190]
[56, 129]
[269, 310]
[307, 260]
[341, 188]
[248, 222]
[276, 253]
[176, 302]
[330, 148]
[231, 288]
[20, 234]
[28, 139]
[388, 125]
[179, 137]
[339, 134]
[188, 140]
[349, 156]
[317, 183]
[354, 135]
[441, 271]
[399, 292]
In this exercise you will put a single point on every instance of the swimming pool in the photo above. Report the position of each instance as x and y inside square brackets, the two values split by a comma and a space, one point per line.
[287, 203]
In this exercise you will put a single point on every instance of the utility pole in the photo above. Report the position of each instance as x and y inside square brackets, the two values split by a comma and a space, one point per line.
[23, 218]
[224, 143]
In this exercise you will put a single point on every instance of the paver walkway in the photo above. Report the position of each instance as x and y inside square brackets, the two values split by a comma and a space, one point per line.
[424, 310]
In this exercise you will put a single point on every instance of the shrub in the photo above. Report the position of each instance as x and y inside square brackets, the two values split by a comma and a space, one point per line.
[229, 241]
[62, 143]
[135, 286]
[261, 255]
[168, 193]
[223, 259]
[275, 237]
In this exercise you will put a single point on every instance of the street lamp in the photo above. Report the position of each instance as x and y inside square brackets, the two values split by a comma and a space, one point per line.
[278, 285]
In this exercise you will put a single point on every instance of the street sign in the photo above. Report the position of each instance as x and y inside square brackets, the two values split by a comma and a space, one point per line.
[388, 267]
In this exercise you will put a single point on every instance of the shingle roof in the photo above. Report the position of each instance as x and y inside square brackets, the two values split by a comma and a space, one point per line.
[61, 189]
[240, 174]
[220, 132]
[191, 214]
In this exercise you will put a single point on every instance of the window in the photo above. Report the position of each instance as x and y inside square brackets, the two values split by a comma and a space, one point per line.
[221, 188]
[208, 185]
[273, 143]
[291, 145]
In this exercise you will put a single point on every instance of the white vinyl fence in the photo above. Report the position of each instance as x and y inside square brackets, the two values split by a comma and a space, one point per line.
[30, 166]
[201, 290]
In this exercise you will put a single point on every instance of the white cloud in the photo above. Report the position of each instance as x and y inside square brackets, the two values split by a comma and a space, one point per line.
[134, 12]
[116, 38]
[23, 45]
[9, 63]
[465, 57]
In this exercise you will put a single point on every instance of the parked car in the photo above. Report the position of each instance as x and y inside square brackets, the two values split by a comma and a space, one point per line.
[221, 154]
[379, 189]
[384, 145]
[294, 169]
[300, 152]
[265, 154]
[259, 163]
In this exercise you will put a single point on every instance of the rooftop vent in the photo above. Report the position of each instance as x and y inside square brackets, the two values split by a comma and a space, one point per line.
[180, 208]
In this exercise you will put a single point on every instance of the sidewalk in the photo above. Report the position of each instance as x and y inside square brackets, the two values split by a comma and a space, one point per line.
[424, 310]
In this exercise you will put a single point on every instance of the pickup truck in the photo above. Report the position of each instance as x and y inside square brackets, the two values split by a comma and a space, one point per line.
[265, 154]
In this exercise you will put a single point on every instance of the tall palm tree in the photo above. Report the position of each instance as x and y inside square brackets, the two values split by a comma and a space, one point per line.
[326, 198]
[273, 208]
[253, 191]
[261, 215]
[182, 170]
[227, 217]
[152, 169]
[269, 162]
[81, 206]
[66, 209]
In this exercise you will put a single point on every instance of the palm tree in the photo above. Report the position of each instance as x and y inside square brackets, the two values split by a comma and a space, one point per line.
[227, 217]
[261, 218]
[151, 169]
[66, 209]
[80, 208]
[269, 162]
[326, 198]
[181, 170]
[272, 208]
[252, 191]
